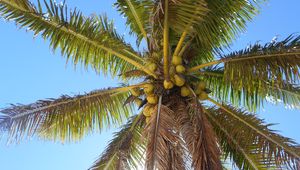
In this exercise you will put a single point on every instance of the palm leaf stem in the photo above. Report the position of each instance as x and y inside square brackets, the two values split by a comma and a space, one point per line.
[166, 40]
[210, 73]
[185, 47]
[198, 67]
[225, 60]
[135, 56]
[180, 43]
[183, 35]
[252, 127]
[157, 126]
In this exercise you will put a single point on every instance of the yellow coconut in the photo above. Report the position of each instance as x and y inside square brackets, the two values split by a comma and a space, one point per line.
[152, 67]
[176, 60]
[168, 84]
[135, 92]
[180, 69]
[148, 110]
[152, 99]
[203, 96]
[179, 81]
[185, 91]
[148, 88]
[138, 101]
[201, 85]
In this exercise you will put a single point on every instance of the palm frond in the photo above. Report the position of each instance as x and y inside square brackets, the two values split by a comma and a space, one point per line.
[166, 41]
[223, 23]
[239, 155]
[67, 118]
[126, 149]
[164, 150]
[183, 14]
[90, 41]
[186, 14]
[137, 13]
[251, 97]
[263, 145]
[198, 135]
[195, 11]
[274, 61]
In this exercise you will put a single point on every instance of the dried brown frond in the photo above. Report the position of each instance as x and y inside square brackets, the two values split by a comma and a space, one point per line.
[198, 136]
[164, 150]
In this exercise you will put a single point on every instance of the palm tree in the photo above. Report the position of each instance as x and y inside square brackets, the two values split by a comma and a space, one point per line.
[196, 104]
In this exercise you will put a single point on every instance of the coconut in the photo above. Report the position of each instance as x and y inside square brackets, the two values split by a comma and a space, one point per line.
[138, 101]
[168, 84]
[135, 92]
[152, 99]
[179, 81]
[152, 67]
[180, 69]
[148, 110]
[176, 60]
[148, 88]
[201, 85]
[203, 95]
[185, 91]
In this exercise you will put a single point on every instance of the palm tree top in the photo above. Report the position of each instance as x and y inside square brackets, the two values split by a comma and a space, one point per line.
[195, 102]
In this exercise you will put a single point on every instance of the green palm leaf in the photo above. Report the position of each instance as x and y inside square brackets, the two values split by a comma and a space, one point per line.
[178, 132]
[262, 145]
[91, 41]
[138, 14]
[125, 150]
[186, 14]
[250, 97]
[67, 118]
[223, 23]
[276, 61]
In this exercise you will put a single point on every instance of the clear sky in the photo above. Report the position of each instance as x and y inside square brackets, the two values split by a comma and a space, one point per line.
[29, 71]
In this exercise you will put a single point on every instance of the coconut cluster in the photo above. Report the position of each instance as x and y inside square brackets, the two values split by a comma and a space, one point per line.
[177, 79]
[147, 112]
[151, 97]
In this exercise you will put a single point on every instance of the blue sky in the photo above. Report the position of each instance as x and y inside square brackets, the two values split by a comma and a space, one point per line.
[29, 71]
